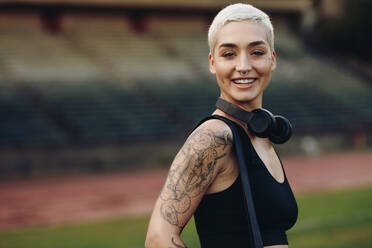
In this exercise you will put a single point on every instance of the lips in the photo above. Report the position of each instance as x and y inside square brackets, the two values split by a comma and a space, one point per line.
[244, 83]
[244, 80]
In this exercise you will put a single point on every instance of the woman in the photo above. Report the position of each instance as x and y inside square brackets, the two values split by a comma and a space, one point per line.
[204, 177]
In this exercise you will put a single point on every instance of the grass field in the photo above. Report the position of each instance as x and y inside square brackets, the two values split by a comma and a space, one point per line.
[341, 219]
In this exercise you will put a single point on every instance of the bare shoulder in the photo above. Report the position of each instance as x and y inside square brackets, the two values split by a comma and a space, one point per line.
[212, 141]
[193, 170]
[214, 128]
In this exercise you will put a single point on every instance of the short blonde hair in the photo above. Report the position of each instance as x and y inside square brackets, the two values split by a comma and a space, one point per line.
[240, 12]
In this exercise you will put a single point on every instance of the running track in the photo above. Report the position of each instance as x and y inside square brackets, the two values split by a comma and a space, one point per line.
[51, 201]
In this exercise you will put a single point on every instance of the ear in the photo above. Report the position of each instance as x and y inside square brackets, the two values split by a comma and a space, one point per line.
[273, 61]
[212, 68]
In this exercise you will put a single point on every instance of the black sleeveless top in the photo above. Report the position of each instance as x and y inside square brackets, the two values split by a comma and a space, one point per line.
[221, 217]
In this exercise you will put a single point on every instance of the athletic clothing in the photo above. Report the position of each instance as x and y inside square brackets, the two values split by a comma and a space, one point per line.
[221, 217]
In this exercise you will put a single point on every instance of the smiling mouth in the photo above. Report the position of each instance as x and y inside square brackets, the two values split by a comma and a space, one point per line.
[244, 80]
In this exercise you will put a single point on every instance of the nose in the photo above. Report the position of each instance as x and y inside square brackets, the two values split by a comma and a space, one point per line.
[243, 65]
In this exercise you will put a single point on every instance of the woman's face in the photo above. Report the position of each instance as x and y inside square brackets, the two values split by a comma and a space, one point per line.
[242, 62]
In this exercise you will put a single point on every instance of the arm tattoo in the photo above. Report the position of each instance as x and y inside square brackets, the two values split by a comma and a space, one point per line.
[192, 172]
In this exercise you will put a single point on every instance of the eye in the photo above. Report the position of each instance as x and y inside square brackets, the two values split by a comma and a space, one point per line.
[258, 53]
[228, 54]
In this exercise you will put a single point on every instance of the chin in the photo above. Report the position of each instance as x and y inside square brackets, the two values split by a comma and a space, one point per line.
[244, 98]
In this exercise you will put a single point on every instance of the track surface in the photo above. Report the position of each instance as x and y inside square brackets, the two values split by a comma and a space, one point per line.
[51, 201]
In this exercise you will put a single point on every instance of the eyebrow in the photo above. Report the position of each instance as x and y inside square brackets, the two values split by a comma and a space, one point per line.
[252, 44]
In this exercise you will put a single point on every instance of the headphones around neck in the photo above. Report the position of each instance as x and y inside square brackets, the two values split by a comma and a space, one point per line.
[260, 122]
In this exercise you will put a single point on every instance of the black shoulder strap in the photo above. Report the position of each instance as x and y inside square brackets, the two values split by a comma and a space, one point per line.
[251, 213]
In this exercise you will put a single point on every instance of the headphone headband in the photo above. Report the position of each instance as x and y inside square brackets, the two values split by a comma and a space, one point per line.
[234, 110]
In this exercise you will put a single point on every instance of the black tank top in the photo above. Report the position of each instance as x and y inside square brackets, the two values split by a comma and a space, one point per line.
[221, 219]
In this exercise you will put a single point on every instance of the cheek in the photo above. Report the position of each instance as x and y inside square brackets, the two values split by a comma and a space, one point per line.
[223, 69]
[263, 66]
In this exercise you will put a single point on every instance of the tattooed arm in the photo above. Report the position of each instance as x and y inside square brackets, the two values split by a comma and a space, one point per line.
[192, 172]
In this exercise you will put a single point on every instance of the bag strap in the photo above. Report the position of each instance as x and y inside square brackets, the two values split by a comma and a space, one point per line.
[251, 213]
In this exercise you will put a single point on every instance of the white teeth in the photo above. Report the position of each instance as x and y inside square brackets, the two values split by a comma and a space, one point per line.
[244, 81]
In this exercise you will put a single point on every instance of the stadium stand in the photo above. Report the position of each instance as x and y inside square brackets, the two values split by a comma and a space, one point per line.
[106, 79]
[21, 123]
[334, 99]
[31, 54]
[114, 83]
[133, 55]
[185, 39]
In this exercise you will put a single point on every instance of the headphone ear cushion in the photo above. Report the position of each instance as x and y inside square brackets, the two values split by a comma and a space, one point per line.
[261, 123]
[282, 131]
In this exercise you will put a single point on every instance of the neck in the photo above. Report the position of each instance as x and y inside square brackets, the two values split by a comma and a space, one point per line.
[246, 105]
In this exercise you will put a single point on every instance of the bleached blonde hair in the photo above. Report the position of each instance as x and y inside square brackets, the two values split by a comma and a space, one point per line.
[236, 13]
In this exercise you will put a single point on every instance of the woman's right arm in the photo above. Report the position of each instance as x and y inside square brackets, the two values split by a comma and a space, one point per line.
[192, 171]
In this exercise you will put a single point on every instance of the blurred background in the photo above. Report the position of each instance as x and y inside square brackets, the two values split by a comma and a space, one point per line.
[104, 93]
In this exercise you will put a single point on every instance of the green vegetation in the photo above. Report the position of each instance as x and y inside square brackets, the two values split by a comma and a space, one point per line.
[334, 219]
